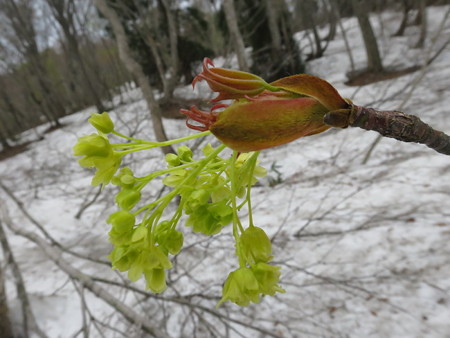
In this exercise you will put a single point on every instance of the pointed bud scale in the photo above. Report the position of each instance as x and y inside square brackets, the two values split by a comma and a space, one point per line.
[312, 86]
[268, 122]
[230, 84]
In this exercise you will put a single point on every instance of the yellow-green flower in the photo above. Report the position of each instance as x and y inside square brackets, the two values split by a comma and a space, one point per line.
[102, 122]
[254, 246]
[268, 277]
[241, 287]
[98, 153]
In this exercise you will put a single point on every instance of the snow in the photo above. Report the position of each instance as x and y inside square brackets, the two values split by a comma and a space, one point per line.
[364, 248]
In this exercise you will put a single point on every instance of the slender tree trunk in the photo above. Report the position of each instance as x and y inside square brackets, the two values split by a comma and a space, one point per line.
[10, 108]
[135, 68]
[5, 323]
[272, 12]
[374, 63]
[29, 323]
[20, 15]
[307, 14]
[4, 140]
[236, 36]
[346, 42]
[406, 8]
[423, 23]
[63, 11]
[174, 59]
[332, 21]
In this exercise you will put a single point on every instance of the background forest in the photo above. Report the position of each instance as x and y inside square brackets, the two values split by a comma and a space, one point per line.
[360, 225]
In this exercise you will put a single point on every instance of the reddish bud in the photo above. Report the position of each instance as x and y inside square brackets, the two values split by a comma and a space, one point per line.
[264, 115]
[268, 122]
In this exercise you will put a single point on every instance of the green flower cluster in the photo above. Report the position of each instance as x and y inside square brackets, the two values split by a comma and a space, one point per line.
[206, 197]
[255, 277]
[210, 192]
[97, 152]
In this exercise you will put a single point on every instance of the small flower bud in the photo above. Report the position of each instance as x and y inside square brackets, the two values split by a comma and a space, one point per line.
[254, 246]
[121, 221]
[196, 199]
[102, 122]
[172, 180]
[156, 280]
[241, 287]
[172, 160]
[208, 149]
[185, 154]
[92, 145]
[170, 240]
[127, 199]
[268, 277]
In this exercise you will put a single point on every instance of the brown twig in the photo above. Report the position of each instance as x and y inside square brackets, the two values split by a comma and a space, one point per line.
[391, 123]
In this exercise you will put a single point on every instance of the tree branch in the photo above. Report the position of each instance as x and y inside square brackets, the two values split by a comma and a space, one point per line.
[29, 321]
[54, 254]
[391, 123]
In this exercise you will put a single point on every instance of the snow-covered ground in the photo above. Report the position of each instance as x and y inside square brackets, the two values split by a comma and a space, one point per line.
[364, 248]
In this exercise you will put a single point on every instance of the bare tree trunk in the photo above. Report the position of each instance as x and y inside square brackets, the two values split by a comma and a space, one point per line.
[174, 59]
[332, 21]
[5, 323]
[16, 115]
[236, 36]
[423, 23]
[307, 10]
[4, 139]
[63, 11]
[20, 15]
[335, 10]
[136, 69]
[406, 8]
[374, 63]
[272, 12]
[29, 321]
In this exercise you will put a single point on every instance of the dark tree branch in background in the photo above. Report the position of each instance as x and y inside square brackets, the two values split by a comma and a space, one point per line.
[19, 204]
[135, 68]
[391, 123]
[64, 13]
[236, 37]
[29, 321]
[85, 281]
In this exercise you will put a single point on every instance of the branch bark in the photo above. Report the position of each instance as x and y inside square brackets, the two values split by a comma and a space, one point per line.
[391, 123]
